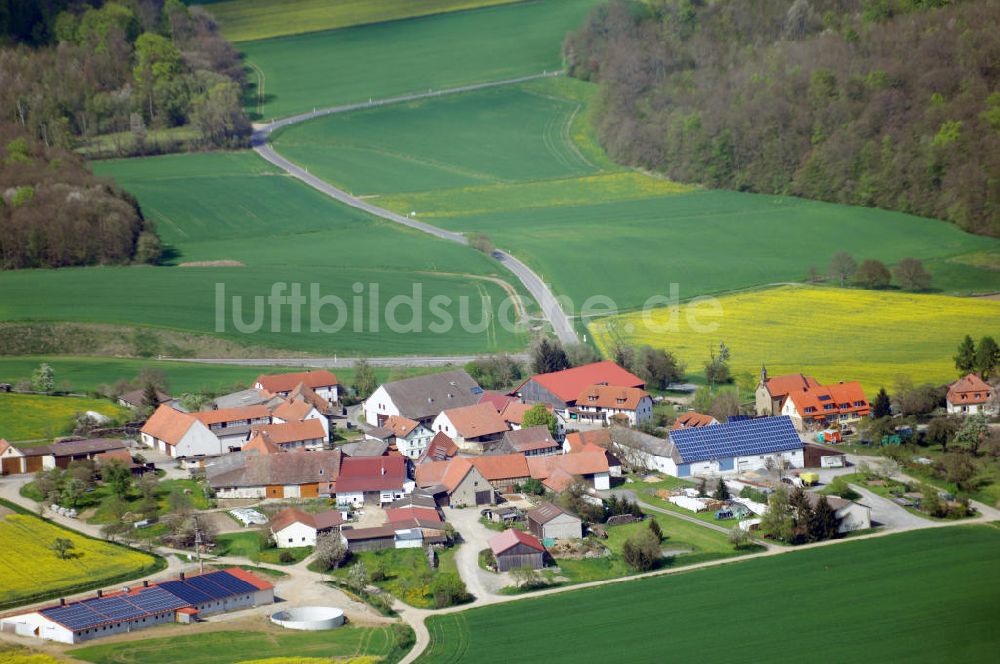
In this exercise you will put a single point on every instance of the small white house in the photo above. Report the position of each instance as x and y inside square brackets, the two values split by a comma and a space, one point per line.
[970, 395]
[179, 435]
[294, 528]
[411, 437]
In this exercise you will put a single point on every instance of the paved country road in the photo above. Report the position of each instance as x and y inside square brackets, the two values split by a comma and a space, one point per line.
[539, 290]
[348, 362]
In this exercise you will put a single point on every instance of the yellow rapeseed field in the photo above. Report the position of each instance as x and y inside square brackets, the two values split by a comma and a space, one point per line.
[834, 334]
[31, 567]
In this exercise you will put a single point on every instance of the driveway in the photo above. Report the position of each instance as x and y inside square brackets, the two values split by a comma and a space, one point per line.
[475, 538]
[889, 514]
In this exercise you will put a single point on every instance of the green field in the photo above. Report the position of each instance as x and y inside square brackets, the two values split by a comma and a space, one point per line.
[34, 416]
[299, 73]
[519, 164]
[33, 571]
[234, 207]
[242, 20]
[407, 576]
[227, 647]
[868, 336]
[247, 545]
[925, 596]
[85, 374]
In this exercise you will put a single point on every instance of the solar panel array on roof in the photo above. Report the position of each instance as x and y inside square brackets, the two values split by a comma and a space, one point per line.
[75, 616]
[764, 435]
[116, 608]
[186, 592]
[156, 599]
[234, 585]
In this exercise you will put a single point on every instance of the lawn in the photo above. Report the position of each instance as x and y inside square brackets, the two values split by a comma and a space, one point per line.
[32, 571]
[520, 164]
[34, 416]
[833, 334]
[233, 206]
[892, 597]
[319, 69]
[84, 374]
[407, 575]
[247, 545]
[227, 647]
[242, 20]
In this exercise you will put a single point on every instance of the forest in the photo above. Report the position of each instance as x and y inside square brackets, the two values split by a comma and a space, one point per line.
[55, 213]
[883, 103]
[128, 72]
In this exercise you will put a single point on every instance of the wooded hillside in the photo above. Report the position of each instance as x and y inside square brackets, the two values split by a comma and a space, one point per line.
[886, 103]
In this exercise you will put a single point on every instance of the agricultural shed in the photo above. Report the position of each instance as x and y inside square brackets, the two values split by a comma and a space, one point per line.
[548, 521]
[513, 549]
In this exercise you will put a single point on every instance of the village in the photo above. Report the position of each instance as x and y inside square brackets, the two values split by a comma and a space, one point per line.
[435, 492]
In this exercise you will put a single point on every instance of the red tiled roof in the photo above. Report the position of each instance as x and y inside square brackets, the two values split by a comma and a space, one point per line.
[4, 445]
[292, 411]
[611, 396]
[394, 514]
[780, 386]
[510, 538]
[578, 439]
[257, 412]
[693, 419]
[441, 447]
[371, 474]
[970, 389]
[168, 424]
[249, 577]
[481, 419]
[589, 461]
[292, 432]
[567, 384]
[498, 399]
[286, 382]
[501, 467]
[433, 472]
[262, 444]
[317, 521]
[400, 426]
[841, 396]
[120, 455]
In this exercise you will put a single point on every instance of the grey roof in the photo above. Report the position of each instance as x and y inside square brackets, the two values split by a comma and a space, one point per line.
[365, 448]
[762, 435]
[381, 433]
[530, 438]
[74, 447]
[234, 470]
[240, 399]
[547, 511]
[138, 397]
[426, 396]
[417, 498]
[650, 444]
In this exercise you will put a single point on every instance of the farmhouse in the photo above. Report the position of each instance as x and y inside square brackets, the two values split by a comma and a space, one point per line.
[503, 471]
[970, 395]
[472, 428]
[259, 476]
[693, 419]
[735, 446]
[422, 398]
[372, 480]
[806, 402]
[289, 411]
[152, 604]
[293, 527]
[548, 521]
[291, 436]
[321, 381]
[514, 549]
[561, 389]
[532, 441]
[558, 472]
[179, 435]
[137, 399]
[232, 426]
[410, 437]
[16, 461]
[455, 482]
[441, 448]
[640, 450]
[606, 403]
[850, 515]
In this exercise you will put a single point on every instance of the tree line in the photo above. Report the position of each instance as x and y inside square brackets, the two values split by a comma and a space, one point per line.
[883, 103]
[55, 213]
[123, 69]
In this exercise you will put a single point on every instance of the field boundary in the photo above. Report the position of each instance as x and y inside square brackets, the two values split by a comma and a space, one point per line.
[547, 302]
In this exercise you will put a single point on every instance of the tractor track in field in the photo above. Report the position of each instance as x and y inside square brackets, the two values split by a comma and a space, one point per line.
[540, 291]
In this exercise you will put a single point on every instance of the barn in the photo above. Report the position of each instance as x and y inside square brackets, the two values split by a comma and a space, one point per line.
[548, 521]
[514, 549]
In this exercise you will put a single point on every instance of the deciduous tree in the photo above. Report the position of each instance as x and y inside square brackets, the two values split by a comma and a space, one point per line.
[910, 274]
[872, 274]
[842, 267]
[539, 415]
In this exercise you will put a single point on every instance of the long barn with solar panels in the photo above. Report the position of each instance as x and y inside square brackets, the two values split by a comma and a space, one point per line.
[737, 446]
[182, 601]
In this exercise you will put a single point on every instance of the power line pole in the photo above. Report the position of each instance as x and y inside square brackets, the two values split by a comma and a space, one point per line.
[197, 545]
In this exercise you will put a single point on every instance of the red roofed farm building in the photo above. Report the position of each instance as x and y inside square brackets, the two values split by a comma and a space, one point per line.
[561, 389]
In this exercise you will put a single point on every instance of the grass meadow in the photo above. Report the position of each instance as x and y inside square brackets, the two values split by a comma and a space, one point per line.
[35, 416]
[831, 333]
[924, 596]
[227, 646]
[520, 164]
[86, 374]
[33, 571]
[234, 207]
[298, 73]
[243, 20]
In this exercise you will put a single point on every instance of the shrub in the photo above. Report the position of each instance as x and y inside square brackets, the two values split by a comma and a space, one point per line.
[286, 557]
[642, 550]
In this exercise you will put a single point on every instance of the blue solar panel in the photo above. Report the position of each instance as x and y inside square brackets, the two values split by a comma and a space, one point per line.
[156, 600]
[186, 592]
[234, 585]
[74, 616]
[765, 435]
[115, 608]
[206, 584]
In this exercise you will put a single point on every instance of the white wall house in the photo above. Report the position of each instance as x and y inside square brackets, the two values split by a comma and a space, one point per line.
[179, 435]
[379, 407]
[281, 416]
[414, 443]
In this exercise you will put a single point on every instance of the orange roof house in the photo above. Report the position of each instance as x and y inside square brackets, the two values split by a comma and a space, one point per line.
[970, 394]
[471, 426]
[693, 419]
[179, 434]
[441, 448]
[556, 472]
[807, 401]
[283, 384]
[562, 388]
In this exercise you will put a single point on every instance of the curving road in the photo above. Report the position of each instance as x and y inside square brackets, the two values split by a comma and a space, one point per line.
[539, 290]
